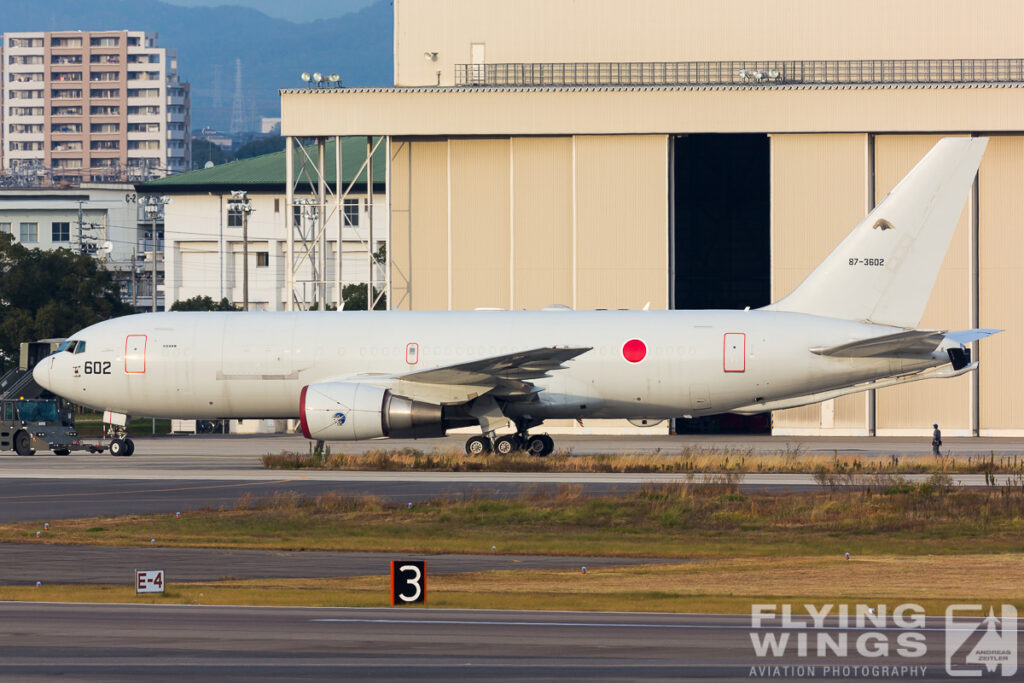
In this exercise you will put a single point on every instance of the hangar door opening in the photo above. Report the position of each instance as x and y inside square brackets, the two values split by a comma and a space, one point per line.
[721, 231]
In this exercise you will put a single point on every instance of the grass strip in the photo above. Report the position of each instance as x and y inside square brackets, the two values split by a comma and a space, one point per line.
[830, 468]
[717, 586]
[671, 520]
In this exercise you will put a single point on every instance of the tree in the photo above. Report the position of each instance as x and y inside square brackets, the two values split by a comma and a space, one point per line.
[202, 303]
[47, 294]
[260, 146]
[203, 150]
[355, 295]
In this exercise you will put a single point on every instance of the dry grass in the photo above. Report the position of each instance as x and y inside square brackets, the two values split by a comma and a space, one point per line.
[687, 460]
[678, 520]
[723, 585]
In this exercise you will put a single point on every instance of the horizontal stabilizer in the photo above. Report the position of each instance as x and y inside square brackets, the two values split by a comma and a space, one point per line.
[968, 336]
[909, 344]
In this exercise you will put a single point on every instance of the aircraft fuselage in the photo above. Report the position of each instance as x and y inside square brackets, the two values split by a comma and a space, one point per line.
[651, 364]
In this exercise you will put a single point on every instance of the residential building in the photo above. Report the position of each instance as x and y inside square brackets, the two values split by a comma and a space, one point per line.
[98, 106]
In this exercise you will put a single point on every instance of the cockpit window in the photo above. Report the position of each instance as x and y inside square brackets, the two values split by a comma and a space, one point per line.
[65, 346]
[80, 348]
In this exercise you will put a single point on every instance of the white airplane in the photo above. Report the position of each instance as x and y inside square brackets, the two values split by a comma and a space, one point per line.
[850, 326]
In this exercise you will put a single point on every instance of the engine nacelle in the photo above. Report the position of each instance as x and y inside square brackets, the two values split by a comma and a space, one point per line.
[343, 411]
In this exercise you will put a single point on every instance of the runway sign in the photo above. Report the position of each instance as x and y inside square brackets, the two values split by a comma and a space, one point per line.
[151, 581]
[408, 582]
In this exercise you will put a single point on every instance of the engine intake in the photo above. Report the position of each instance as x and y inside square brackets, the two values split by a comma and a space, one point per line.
[343, 411]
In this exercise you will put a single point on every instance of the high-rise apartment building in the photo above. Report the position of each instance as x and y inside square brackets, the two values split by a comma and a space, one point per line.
[92, 106]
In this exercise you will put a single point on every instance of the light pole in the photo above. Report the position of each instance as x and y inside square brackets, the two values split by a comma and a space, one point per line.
[153, 205]
[239, 203]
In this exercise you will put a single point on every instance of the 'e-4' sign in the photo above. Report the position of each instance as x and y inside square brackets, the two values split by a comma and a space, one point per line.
[408, 582]
[149, 581]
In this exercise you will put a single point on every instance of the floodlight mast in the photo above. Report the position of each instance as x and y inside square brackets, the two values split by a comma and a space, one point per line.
[153, 206]
[240, 204]
[313, 203]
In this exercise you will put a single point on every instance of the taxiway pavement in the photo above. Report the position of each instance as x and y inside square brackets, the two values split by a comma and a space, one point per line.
[169, 474]
[27, 563]
[167, 642]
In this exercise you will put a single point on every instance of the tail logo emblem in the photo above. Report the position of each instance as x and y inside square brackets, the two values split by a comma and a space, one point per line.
[882, 224]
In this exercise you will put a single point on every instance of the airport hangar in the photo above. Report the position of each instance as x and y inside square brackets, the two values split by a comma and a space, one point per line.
[692, 154]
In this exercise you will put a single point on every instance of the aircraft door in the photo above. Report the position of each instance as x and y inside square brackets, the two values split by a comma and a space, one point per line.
[734, 352]
[135, 354]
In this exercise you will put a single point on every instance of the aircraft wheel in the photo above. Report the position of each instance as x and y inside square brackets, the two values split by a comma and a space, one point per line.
[549, 445]
[478, 445]
[535, 445]
[129, 447]
[23, 443]
[117, 448]
[506, 444]
[61, 451]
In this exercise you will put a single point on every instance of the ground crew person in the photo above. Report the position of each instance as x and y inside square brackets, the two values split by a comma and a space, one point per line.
[936, 440]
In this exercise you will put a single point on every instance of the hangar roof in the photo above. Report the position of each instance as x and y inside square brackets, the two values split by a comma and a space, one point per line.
[266, 173]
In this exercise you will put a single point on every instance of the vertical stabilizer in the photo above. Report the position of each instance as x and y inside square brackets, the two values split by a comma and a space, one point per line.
[884, 271]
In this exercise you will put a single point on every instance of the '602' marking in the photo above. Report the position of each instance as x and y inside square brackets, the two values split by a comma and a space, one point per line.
[96, 367]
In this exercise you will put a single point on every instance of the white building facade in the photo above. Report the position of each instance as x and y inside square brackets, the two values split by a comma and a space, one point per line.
[204, 249]
[103, 220]
[203, 237]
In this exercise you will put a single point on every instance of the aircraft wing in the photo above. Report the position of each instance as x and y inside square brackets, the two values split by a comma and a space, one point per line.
[507, 376]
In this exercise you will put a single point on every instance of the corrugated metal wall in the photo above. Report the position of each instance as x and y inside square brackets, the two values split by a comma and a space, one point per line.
[913, 408]
[819, 192]
[621, 221]
[1001, 246]
[542, 246]
[419, 229]
[508, 207]
[684, 30]
[480, 223]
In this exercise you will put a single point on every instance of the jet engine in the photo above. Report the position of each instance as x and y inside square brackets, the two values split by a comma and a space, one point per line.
[343, 411]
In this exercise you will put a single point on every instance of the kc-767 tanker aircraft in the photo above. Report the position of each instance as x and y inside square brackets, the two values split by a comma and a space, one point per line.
[850, 326]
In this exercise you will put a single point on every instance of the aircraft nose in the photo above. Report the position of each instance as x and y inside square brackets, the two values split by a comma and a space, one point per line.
[41, 373]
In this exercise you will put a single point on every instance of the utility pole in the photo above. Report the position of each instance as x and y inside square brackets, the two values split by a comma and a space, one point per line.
[134, 286]
[81, 245]
[240, 203]
[153, 276]
[154, 208]
[369, 221]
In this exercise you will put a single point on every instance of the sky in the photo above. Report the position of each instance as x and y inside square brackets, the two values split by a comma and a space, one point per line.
[297, 10]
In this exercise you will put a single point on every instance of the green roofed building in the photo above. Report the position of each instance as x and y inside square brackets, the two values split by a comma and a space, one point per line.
[203, 245]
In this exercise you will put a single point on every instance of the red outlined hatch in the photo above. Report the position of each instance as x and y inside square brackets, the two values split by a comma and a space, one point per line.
[412, 353]
[135, 354]
[734, 352]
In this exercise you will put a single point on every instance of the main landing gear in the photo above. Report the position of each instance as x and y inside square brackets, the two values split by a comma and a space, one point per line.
[537, 444]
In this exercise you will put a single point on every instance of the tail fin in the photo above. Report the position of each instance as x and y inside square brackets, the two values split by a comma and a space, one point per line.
[884, 271]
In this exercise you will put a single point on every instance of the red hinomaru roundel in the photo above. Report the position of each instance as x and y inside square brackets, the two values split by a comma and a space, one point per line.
[634, 350]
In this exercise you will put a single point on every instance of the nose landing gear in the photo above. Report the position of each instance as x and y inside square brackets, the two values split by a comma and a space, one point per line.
[120, 444]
